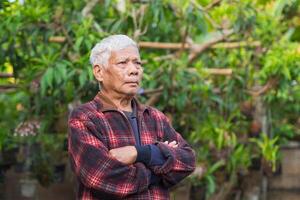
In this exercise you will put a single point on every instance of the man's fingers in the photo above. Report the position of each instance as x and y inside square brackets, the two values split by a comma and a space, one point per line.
[173, 144]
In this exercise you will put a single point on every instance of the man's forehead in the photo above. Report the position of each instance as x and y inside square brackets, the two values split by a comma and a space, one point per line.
[129, 52]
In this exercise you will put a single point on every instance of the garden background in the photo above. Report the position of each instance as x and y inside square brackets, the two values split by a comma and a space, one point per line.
[226, 73]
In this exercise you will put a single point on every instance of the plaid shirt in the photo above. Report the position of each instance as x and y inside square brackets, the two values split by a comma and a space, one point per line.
[98, 126]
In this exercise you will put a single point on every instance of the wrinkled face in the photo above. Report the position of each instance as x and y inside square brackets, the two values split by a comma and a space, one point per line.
[123, 74]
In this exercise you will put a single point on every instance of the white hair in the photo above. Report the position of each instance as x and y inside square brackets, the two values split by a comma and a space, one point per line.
[101, 52]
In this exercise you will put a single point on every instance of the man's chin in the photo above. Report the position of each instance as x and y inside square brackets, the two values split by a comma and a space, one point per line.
[131, 92]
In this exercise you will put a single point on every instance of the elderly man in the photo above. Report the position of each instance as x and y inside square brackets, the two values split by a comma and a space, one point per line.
[119, 148]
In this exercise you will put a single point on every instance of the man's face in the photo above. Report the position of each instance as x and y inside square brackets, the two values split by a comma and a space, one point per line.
[123, 73]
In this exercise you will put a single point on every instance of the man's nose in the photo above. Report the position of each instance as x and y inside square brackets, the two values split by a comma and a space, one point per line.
[133, 69]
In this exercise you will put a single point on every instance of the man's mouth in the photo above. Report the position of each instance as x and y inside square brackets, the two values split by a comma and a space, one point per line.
[132, 82]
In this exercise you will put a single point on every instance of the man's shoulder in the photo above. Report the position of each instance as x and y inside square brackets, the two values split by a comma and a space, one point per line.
[157, 114]
[83, 111]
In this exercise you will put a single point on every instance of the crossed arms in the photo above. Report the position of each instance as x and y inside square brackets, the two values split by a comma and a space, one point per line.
[116, 171]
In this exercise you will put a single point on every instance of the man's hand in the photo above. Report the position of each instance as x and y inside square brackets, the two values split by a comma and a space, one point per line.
[127, 155]
[173, 144]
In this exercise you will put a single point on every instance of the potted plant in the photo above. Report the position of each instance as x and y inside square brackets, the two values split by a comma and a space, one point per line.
[54, 155]
[269, 151]
[28, 186]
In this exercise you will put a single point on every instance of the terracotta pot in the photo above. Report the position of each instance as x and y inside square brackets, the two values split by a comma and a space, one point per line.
[266, 167]
[247, 109]
[255, 128]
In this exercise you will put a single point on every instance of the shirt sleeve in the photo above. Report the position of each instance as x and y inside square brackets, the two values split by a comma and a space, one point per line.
[95, 168]
[143, 154]
[180, 161]
[157, 157]
[150, 155]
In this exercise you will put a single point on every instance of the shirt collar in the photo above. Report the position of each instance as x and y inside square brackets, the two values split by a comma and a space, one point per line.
[105, 104]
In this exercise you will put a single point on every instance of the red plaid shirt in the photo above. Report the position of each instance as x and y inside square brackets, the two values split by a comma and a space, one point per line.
[98, 126]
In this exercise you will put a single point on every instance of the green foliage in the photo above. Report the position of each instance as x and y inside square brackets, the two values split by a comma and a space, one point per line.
[46, 44]
[209, 178]
[268, 148]
[41, 154]
[240, 159]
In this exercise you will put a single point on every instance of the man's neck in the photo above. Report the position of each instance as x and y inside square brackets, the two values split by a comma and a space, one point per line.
[123, 102]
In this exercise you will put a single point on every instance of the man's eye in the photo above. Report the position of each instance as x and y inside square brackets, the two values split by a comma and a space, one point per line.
[138, 63]
[122, 62]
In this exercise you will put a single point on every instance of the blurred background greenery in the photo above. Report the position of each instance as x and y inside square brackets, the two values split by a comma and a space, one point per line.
[226, 72]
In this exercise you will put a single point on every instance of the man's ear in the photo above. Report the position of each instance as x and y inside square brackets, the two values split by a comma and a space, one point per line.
[98, 71]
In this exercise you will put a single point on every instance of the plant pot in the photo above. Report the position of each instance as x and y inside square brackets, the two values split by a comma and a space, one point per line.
[255, 129]
[10, 156]
[28, 187]
[247, 109]
[182, 191]
[267, 168]
[59, 173]
[255, 164]
[197, 193]
[278, 170]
